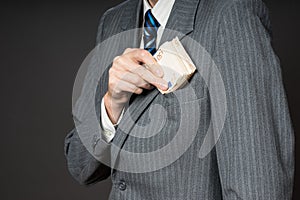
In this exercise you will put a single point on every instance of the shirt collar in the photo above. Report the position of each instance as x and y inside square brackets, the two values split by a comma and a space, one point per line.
[161, 11]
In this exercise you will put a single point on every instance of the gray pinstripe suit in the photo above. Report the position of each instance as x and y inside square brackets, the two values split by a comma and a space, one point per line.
[254, 157]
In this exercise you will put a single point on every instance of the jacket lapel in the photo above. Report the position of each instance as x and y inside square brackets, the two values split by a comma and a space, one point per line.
[131, 19]
[181, 21]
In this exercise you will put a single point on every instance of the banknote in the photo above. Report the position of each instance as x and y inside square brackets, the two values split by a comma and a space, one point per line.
[177, 65]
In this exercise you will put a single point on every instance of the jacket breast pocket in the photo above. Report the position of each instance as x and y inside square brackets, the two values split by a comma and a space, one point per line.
[193, 90]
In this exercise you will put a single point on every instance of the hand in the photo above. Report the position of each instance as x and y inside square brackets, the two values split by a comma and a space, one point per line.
[127, 76]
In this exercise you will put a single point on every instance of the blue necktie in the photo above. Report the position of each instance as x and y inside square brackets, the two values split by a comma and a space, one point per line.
[150, 32]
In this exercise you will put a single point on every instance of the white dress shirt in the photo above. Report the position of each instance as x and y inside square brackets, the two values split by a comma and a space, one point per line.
[161, 11]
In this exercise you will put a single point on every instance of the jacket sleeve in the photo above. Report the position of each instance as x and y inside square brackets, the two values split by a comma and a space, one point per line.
[255, 151]
[81, 162]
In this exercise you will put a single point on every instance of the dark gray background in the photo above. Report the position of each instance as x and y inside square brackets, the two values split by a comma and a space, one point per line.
[42, 46]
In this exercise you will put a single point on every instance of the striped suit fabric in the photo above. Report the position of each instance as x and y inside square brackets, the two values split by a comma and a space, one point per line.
[254, 157]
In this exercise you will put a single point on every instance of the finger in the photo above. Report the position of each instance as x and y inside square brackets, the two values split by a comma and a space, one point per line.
[149, 62]
[151, 78]
[126, 64]
[128, 50]
[124, 86]
[135, 80]
[155, 69]
[142, 56]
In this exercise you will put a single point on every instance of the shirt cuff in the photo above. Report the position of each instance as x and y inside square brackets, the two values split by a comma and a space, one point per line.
[109, 129]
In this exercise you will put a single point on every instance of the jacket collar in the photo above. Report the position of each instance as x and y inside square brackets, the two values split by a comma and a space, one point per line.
[181, 19]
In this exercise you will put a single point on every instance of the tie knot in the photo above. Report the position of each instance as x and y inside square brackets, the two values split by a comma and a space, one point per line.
[150, 20]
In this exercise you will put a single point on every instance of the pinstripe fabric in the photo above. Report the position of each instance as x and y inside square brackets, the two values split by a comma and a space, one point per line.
[254, 158]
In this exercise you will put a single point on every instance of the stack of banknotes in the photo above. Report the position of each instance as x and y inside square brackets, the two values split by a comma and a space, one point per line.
[176, 64]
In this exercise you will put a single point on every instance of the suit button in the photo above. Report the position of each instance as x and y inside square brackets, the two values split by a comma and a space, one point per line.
[122, 185]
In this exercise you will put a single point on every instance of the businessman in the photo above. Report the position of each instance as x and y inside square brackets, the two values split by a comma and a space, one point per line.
[254, 156]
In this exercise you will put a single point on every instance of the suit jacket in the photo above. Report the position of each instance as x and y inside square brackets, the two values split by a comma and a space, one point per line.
[254, 156]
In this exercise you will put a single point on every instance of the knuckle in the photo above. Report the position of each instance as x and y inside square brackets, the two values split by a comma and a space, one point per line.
[127, 50]
[117, 91]
[120, 64]
[143, 52]
[112, 81]
[110, 85]
[116, 59]
[111, 70]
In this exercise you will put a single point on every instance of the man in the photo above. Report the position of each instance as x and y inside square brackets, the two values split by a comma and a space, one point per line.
[254, 156]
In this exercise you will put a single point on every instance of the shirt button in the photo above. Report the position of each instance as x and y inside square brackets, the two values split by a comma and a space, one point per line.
[122, 185]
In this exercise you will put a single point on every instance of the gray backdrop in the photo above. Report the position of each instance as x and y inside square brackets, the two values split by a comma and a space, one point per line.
[42, 46]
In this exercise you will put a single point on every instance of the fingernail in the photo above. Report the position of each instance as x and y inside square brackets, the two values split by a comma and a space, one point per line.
[159, 73]
[164, 86]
